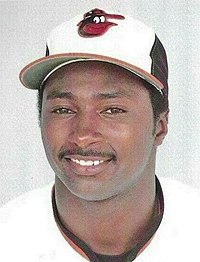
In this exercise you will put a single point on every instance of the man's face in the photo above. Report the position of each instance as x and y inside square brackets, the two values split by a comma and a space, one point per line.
[97, 129]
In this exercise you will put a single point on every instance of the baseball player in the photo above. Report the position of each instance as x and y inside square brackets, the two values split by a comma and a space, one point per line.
[103, 109]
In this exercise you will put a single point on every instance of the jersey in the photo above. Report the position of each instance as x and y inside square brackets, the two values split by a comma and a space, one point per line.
[28, 231]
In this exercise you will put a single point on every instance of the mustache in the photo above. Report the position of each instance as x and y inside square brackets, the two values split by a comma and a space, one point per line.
[63, 152]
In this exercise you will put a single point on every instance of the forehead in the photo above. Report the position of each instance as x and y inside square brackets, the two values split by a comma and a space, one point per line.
[93, 76]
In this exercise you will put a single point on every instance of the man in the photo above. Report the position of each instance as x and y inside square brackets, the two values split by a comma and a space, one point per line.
[103, 109]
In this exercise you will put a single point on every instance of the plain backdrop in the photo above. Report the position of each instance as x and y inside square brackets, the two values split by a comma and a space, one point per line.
[24, 28]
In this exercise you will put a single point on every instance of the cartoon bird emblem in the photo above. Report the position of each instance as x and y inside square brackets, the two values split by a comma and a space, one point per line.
[96, 23]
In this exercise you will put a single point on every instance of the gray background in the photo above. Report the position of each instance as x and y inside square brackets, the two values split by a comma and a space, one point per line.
[24, 28]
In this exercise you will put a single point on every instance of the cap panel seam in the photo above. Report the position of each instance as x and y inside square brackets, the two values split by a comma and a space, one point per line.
[153, 52]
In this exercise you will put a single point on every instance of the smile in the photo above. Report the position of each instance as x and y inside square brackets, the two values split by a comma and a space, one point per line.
[87, 163]
[86, 166]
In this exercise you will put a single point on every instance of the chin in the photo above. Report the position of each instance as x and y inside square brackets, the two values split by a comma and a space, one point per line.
[85, 189]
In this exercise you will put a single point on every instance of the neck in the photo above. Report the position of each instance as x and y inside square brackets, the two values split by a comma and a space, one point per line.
[111, 226]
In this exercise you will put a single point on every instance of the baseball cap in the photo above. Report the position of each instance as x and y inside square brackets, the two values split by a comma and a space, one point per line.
[102, 36]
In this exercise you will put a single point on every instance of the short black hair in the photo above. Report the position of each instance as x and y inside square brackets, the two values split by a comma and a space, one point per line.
[159, 101]
[39, 101]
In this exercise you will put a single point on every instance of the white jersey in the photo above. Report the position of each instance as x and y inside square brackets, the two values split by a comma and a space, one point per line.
[28, 232]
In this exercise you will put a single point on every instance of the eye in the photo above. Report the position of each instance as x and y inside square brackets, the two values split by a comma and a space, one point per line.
[63, 110]
[102, 19]
[114, 111]
[96, 19]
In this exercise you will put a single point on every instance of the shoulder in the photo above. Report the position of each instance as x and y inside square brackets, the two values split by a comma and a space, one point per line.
[22, 207]
[29, 232]
[177, 238]
[180, 196]
[181, 206]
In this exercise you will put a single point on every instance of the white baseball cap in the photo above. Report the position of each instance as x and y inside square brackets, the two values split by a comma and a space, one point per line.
[102, 36]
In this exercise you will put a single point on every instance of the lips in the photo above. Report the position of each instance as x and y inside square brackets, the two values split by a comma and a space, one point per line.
[76, 161]
[87, 163]
[86, 166]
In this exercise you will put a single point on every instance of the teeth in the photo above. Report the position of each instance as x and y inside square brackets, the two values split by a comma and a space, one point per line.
[87, 163]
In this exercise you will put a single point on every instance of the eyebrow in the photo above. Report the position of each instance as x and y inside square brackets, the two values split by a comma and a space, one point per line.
[111, 95]
[60, 95]
[101, 96]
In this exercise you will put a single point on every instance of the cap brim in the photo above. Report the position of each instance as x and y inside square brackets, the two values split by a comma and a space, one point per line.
[33, 75]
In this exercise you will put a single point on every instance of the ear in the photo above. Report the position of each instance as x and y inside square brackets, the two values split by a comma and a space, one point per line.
[161, 128]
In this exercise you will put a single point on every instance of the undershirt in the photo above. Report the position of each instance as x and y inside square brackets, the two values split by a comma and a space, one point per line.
[134, 251]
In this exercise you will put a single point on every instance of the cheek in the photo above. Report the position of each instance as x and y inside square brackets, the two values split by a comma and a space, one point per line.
[132, 142]
[52, 137]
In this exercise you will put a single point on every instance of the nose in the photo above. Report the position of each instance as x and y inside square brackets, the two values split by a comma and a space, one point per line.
[86, 131]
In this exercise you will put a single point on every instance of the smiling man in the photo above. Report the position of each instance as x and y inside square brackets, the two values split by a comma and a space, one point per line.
[103, 109]
[98, 130]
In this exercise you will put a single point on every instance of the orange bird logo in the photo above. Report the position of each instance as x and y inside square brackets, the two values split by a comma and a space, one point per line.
[96, 23]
